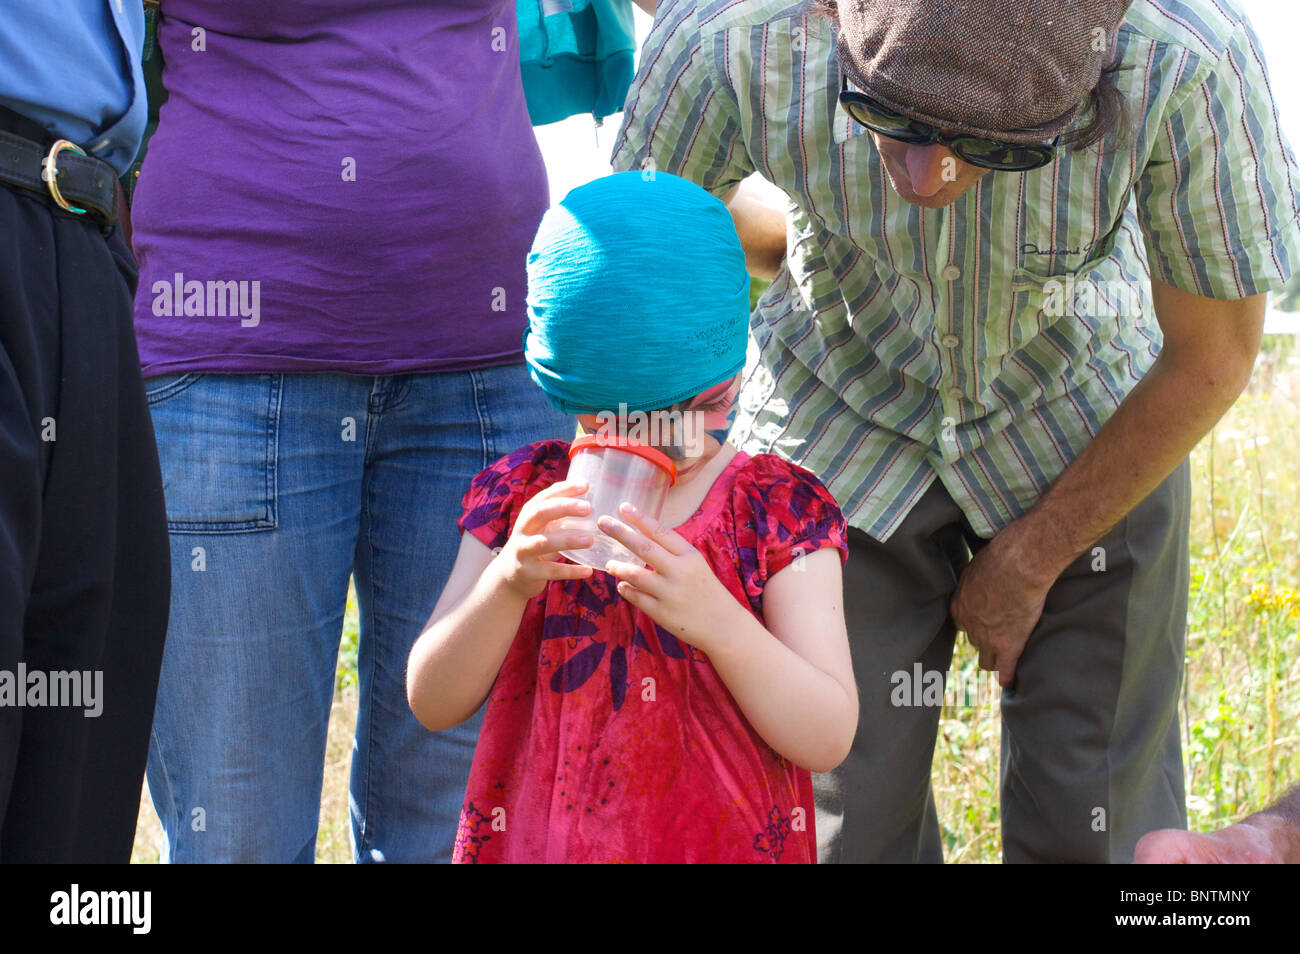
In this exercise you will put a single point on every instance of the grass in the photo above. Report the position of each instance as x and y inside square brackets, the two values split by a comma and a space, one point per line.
[1241, 698]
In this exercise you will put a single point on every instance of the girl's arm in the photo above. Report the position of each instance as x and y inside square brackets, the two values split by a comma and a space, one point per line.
[793, 679]
[456, 659]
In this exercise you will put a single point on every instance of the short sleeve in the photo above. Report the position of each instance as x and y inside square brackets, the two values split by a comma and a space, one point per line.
[1217, 199]
[678, 118]
[496, 495]
[793, 514]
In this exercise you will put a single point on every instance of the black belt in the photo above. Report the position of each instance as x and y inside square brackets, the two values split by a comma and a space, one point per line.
[76, 182]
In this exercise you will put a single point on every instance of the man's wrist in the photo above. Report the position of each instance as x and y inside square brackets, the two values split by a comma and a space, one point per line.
[1036, 549]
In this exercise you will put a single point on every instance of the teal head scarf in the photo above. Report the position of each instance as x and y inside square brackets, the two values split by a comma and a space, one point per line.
[637, 295]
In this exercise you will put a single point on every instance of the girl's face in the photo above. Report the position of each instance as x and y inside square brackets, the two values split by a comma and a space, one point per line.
[689, 432]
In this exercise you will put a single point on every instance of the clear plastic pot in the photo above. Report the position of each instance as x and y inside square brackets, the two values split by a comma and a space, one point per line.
[617, 470]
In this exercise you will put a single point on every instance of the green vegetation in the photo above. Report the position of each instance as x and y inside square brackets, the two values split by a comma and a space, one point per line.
[347, 669]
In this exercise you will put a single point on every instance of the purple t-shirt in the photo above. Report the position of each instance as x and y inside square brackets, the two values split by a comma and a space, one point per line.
[342, 185]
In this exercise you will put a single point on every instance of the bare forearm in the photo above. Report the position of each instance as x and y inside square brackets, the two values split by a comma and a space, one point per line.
[457, 658]
[1151, 432]
[799, 710]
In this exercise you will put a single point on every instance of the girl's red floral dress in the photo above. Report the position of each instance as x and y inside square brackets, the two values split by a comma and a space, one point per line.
[605, 739]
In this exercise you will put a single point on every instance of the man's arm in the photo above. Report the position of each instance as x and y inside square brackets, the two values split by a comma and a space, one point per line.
[1268, 837]
[1209, 351]
[761, 227]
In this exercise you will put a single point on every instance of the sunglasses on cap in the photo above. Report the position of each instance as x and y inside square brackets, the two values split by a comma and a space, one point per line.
[985, 153]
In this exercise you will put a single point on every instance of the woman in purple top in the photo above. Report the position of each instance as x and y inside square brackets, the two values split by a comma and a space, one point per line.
[332, 225]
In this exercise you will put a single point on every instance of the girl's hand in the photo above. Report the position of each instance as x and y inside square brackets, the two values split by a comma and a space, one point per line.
[677, 589]
[527, 561]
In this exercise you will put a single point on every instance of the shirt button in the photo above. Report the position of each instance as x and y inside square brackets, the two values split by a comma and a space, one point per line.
[955, 394]
[950, 273]
[948, 341]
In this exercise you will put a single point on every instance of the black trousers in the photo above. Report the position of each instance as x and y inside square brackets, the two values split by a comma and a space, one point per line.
[84, 559]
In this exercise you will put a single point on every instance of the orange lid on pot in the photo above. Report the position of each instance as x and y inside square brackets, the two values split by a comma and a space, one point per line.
[657, 457]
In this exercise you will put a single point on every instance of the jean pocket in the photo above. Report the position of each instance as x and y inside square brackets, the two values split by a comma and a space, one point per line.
[160, 388]
[218, 439]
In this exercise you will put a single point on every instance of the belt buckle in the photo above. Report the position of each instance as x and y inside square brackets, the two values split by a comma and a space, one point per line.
[50, 173]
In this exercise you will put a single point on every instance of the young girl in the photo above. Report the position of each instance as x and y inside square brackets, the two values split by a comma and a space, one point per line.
[669, 712]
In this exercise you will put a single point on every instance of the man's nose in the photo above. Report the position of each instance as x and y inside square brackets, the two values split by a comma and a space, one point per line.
[930, 168]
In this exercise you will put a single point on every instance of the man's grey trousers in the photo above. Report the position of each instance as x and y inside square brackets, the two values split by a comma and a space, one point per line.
[1091, 758]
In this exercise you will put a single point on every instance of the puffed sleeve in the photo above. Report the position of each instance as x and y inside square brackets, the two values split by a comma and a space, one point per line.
[496, 495]
[792, 514]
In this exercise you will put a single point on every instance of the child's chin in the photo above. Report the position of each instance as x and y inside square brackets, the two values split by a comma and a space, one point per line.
[697, 456]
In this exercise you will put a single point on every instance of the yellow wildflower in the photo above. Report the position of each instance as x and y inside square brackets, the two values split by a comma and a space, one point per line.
[1259, 598]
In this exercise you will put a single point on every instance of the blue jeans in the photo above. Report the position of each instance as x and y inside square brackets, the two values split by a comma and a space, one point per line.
[278, 487]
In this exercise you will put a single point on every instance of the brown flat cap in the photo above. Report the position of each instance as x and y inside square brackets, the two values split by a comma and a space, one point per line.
[1014, 70]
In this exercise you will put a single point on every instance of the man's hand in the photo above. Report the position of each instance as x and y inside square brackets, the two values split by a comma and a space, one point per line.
[1246, 843]
[1270, 837]
[998, 604]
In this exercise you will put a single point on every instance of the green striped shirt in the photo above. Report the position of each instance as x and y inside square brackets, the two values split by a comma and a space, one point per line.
[986, 343]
